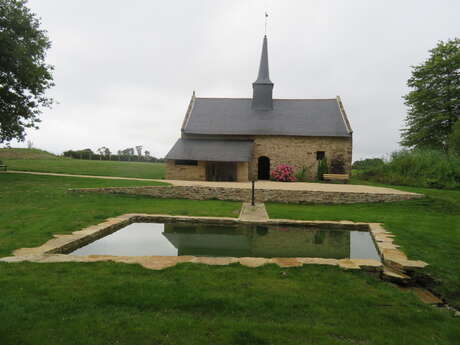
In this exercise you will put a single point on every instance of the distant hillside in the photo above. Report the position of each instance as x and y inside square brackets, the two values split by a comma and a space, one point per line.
[13, 153]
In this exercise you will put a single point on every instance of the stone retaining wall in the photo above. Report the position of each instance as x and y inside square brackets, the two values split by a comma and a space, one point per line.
[244, 194]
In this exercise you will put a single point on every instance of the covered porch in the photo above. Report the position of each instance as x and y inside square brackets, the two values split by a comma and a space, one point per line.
[209, 160]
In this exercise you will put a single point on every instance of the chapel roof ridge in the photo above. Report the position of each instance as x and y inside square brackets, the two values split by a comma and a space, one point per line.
[275, 99]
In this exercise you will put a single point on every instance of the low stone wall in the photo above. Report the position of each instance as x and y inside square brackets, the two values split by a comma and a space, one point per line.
[261, 195]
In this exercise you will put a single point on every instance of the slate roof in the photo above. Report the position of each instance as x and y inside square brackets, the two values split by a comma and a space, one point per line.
[298, 117]
[211, 150]
[263, 77]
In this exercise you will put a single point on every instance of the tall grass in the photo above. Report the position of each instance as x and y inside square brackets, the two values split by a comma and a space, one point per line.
[22, 153]
[420, 168]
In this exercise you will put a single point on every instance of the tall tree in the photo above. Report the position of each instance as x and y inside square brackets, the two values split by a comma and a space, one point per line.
[24, 75]
[434, 102]
[129, 152]
[102, 152]
[107, 152]
[454, 139]
[139, 150]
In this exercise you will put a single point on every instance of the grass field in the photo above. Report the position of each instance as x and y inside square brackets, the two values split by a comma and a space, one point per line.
[35, 207]
[427, 229]
[41, 161]
[13, 153]
[85, 167]
[108, 303]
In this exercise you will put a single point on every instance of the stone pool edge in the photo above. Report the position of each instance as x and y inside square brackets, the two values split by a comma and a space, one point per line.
[394, 266]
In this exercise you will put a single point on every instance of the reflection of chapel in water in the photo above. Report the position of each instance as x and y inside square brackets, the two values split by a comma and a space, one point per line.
[257, 241]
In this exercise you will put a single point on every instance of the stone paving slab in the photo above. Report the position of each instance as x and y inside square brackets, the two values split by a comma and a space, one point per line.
[392, 275]
[256, 213]
[395, 263]
[426, 296]
[162, 262]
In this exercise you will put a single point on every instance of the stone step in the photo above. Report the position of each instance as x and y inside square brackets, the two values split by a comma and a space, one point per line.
[391, 274]
[256, 213]
[426, 296]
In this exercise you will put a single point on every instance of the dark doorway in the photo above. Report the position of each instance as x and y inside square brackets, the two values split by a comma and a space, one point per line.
[263, 170]
[221, 171]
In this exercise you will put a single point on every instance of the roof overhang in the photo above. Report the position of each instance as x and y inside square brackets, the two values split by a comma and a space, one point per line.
[211, 150]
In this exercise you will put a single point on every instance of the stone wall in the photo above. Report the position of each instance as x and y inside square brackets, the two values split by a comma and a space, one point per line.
[296, 151]
[262, 195]
[185, 172]
[300, 152]
[242, 171]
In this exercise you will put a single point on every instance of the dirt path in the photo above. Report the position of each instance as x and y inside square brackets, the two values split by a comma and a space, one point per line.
[84, 176]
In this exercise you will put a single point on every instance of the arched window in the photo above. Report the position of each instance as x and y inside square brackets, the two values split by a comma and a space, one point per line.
[263, 168]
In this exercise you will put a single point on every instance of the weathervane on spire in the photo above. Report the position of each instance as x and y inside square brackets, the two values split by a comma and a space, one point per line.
[266, 16]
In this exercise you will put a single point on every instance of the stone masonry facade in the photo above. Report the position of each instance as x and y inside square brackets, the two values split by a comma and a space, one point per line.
[185, 172]
[299, 152]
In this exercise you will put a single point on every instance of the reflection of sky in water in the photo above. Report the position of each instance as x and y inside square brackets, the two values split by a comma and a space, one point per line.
[362, 246]
[137, 239]
[143, 239]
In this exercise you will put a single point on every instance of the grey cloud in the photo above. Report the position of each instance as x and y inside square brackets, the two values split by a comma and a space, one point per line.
[125, 71]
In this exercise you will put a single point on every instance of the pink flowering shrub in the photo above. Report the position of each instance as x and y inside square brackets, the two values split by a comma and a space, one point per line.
[283, 173]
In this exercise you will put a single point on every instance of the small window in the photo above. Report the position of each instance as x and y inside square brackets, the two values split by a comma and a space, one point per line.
[320, 155]
[186, 162]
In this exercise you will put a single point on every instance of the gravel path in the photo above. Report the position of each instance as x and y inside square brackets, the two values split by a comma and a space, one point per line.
[306, 186]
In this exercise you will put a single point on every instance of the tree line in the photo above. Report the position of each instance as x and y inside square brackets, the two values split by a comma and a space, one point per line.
[130, 154]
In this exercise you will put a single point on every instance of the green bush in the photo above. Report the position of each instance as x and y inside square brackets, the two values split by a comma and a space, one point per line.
[322, 168]
[301, 175]
[368, 163]
[421, 168]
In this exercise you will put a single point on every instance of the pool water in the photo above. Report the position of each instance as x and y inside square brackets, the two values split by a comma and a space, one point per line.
[216, 240]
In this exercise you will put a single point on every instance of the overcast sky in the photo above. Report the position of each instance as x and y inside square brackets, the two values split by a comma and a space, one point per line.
[125, 70]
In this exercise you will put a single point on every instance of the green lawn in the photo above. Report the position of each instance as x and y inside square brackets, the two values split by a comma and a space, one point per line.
[34, 207]
[87, 167]
[16, 153]
[108, 303]
[427, 229]
[113, 303]
[42, 161]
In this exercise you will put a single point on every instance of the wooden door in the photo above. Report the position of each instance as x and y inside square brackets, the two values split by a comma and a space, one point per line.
[263, 168]
[221, 171]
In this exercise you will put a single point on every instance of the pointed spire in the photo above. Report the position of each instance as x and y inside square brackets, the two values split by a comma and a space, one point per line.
[264, 75]
[262, 98]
